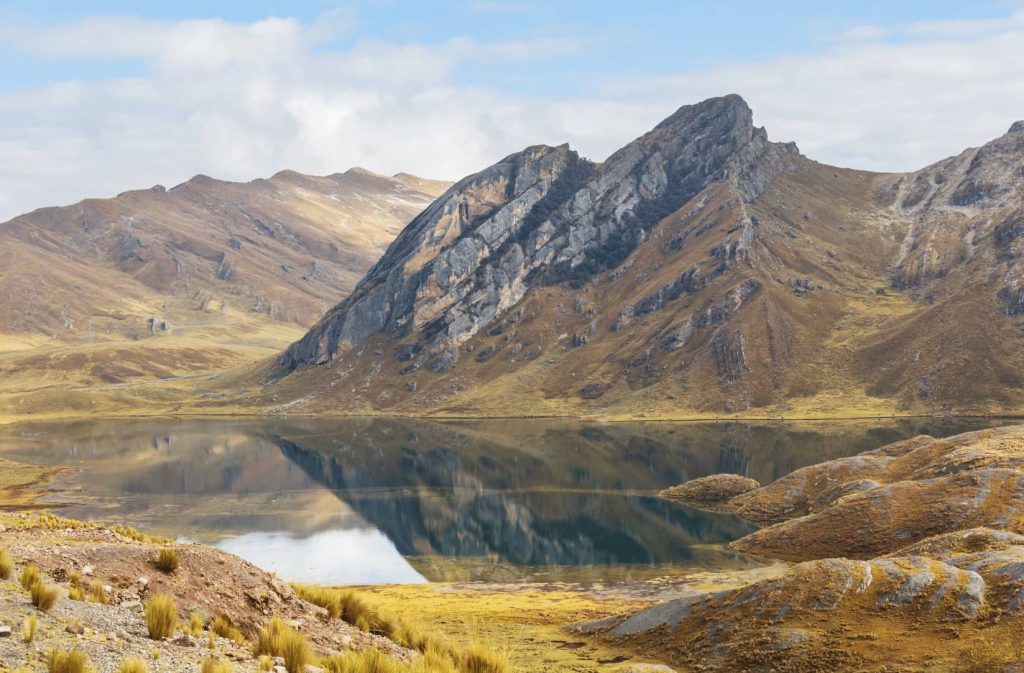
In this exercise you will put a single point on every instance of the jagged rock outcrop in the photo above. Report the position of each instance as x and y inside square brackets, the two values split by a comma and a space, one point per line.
[701, 269]
[541, 216]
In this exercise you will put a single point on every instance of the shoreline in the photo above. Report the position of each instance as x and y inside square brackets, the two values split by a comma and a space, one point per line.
[614, 419]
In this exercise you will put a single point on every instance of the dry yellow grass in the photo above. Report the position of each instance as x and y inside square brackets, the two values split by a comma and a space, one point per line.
[526, 625]
[161, 616]
[29, 629]
[44, 596]
[29, 576]
[132, 665]
[212, 665]
[6, 565]
[225, 628]
[167, 560]
[277, 639]
[62, 661]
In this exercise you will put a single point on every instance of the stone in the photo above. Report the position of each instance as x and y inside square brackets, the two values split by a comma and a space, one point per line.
[87, 570]
[5, 631]
[716, 488]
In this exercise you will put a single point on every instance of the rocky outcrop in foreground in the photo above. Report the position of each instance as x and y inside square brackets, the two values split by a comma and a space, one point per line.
[119, 565]
[909, 558]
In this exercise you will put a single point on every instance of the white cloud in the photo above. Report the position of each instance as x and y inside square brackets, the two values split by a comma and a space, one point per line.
[242, 100]
[882, 99]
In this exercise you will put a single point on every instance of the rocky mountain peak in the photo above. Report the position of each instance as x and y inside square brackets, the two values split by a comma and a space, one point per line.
[540, 216]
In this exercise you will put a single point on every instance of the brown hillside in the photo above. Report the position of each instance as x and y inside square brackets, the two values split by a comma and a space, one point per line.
[909, 558]
[700, 270]
[162, 283]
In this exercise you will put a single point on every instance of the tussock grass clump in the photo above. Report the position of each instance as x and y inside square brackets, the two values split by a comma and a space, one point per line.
[265, 663]
[277, 639]
[212, 665]
[478, 658]
[375, 661]
[167, 560]
[196, 623]
[132, 665]
[30, 628]
[368, 661]
[62, 661]
[6, 565]
[161, 616]
[328, 599]
[75, 593]
[225, 628]
[54, 522]
[352, 608]
[44, 596]
[97, 594]
[29, 575]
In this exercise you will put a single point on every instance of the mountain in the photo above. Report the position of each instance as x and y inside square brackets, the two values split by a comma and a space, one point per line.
[165, 282]
[699, 270]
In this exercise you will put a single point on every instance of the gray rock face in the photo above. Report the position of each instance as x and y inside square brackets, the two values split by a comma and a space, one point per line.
[540, 216]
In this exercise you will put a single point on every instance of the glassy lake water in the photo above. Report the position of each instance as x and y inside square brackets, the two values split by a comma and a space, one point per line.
[359, 501]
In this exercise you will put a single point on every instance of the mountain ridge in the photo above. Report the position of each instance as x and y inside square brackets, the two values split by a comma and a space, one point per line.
[160, 283]
[701, 269]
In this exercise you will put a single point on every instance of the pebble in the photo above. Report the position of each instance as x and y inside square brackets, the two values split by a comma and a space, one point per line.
[5, 631]
[87, 570]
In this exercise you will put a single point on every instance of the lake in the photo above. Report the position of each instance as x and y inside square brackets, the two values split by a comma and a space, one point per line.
[385, 500]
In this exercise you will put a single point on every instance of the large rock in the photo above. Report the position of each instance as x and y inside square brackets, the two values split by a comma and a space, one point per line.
[715, 489]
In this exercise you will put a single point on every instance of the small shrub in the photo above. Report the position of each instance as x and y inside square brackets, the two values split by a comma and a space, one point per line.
[212, 665]
[225, 628]
[277, 639]
[132, 665]
[75, 593]
[62, 661]
[6, 566]
[167, 561]
[75, 579]
[30, 628]
[161, 616]
[29, 575]
[44, 596]
[264, 664]
[97, 594]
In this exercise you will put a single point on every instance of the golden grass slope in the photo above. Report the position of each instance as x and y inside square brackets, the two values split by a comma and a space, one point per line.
[910, 558]
[162, 284]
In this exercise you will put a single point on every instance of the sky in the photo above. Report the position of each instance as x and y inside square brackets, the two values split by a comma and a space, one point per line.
[101, 97]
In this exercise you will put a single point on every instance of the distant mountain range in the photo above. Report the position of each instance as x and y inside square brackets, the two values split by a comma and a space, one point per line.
[160, 283]
[701, 269]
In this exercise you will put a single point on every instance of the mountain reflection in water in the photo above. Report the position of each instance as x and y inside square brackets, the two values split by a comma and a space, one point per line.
[399, 500]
